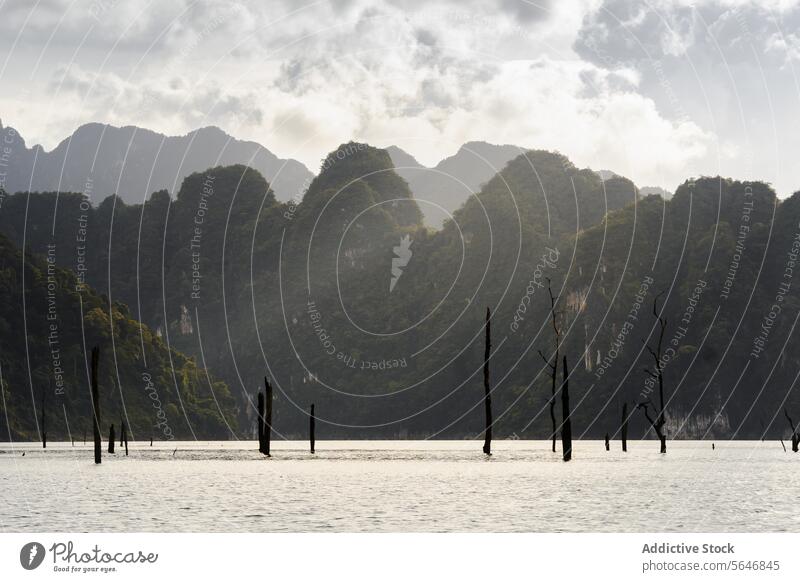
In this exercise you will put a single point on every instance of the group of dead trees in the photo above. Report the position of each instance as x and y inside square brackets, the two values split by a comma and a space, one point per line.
[657, 419]
[264, 404]
[553, 363]
[96, 417]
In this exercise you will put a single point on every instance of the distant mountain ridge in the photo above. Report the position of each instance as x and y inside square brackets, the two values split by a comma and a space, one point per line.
[454, 179]
[132, 162]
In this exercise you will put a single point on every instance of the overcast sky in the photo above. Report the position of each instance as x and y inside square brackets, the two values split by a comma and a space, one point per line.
[657, 91]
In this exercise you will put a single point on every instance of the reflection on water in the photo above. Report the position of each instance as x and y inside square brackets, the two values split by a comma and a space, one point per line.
[401, 486]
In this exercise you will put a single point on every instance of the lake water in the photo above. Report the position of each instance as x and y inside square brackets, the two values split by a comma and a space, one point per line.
[401, 486]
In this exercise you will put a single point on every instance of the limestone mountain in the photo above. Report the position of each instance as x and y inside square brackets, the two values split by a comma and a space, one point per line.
[99, 160]
[445, 187]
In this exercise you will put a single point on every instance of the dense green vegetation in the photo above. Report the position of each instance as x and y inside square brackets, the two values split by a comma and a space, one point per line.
[158, 392]
[302, 292]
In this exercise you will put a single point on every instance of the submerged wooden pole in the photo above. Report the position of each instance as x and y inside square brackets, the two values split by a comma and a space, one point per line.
[566, 424]
[111, 439]
[487, 398]
[608, 443]
[311, 423]
[260, 422]
[268, 417]
[624, 429]
[96, 406]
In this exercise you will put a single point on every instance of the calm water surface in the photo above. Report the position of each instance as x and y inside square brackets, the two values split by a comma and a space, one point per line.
[401, 486]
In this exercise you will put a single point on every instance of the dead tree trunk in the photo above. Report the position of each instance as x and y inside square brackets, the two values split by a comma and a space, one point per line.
[487, 398]
[124, 437]
[44, 420]
[121, 432]
[268, 417]
[795, 436]
[658, 376]
[566, 424]
[96, 406]
[552, 363]
[608, 442]
[111, 439]
[260, 423]
[624, 428]
[311, 427]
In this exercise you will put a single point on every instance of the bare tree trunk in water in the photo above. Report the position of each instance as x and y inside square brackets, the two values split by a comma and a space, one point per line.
[795, 437]
[624, 429]
[552, 363]
[487, 399]
[311, 427]
[111, 439]
[260, 423]
[98, 445]
[268, 417]
[566, 425]
[661, 418]
[124, 438]
[608, 443]
[44, 420]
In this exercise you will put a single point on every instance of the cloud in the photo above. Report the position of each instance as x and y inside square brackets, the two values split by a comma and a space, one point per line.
[611, 84]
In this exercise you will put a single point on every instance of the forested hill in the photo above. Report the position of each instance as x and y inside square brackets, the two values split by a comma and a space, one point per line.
[49, 322]
[346, 300]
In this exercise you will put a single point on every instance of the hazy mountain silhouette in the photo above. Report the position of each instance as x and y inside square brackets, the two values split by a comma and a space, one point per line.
[132, 162]
[454, 179]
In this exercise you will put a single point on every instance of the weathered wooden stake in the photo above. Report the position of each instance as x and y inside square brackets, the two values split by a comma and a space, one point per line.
[268, 417]
[566, 424]
[111, 439]
[311, 427]
[121, 432]
[608, 443]
[624, 430]
[96, 406]
[487, 399]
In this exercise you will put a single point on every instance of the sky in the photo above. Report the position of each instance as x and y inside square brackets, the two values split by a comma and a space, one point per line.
[657, 91]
